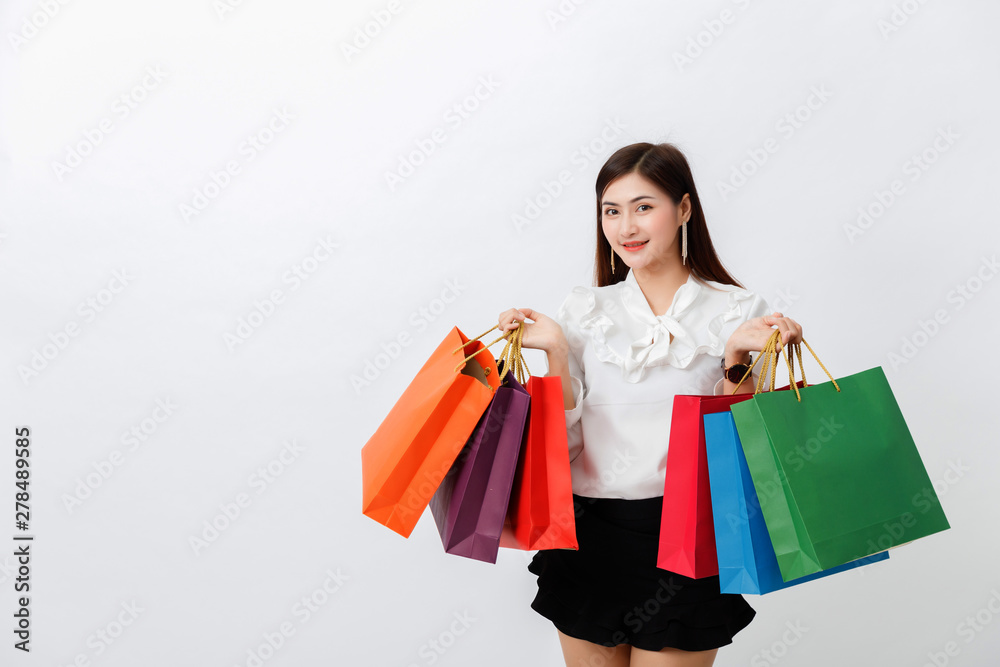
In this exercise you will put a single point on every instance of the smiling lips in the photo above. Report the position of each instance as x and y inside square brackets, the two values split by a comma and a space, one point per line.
[635, 247]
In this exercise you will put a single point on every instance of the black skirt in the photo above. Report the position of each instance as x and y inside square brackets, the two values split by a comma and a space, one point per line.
[610, 591]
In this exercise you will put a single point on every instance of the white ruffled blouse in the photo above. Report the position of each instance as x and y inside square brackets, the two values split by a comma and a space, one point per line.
[626, 370]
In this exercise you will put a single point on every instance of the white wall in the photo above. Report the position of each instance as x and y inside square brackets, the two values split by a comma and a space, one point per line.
[330, 128]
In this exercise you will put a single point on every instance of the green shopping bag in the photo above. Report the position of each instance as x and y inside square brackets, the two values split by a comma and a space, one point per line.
[835, 468]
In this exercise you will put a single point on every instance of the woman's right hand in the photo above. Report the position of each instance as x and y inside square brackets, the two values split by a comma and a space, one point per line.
[543, 333]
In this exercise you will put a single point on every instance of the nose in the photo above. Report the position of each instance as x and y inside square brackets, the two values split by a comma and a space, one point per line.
[627, 226]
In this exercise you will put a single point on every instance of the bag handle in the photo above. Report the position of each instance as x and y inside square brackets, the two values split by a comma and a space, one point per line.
[471, 340]
[770, 355]
[512, 357]
[765, 354]
[511, 353]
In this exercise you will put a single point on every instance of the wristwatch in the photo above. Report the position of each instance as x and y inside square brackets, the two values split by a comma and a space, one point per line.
[735, 372]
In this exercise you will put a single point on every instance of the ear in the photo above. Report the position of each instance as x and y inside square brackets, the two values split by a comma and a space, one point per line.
[684, 208]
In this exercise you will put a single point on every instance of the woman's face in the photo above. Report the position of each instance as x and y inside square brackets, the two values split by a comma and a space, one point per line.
[634, 209]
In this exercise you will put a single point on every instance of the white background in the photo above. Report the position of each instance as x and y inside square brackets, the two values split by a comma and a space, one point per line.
[896, 76]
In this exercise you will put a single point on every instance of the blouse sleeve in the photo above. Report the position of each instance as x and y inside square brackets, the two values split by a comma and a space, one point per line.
[758, 308]
[570, 326]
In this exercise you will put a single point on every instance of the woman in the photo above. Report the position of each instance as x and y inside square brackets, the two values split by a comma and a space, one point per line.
[664, 318]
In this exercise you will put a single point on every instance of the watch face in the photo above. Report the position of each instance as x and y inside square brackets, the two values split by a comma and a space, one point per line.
[735, 373]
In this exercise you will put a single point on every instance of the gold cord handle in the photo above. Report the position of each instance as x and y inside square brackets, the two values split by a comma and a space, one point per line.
[471, 340]
[764, 354]
[512, 357]
[769, 354]
[511, 353]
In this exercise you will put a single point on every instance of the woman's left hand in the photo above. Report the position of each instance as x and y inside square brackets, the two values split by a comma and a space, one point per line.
[753, 334]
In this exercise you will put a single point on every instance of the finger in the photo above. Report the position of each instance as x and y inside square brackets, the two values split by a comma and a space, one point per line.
[794, 329]
[520, 315]
[779, 323]
[783, 323]
[509, 319]
[772, 318]
[785, 331]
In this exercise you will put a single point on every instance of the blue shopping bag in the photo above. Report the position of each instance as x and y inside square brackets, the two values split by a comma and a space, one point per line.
[747, 562]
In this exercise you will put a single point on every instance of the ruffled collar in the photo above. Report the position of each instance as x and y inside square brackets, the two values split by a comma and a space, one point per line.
[625, 331]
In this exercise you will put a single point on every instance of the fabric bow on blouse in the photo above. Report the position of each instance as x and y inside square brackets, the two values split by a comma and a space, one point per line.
[625, 332]
[652, 346]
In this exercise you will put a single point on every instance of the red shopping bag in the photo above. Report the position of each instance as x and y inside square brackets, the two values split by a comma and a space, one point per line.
[540, 514]
[687, 532]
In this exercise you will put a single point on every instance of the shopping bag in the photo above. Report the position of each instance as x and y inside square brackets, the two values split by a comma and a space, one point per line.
[687, 536]
[470, 505]
[747, 563]
[541, 514]
[850, 481]
[413, 448]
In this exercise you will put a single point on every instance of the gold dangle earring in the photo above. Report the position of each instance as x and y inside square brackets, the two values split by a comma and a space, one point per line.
[684, 243]
[612, 260]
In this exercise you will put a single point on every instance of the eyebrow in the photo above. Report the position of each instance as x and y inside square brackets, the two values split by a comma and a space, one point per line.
[611, 203]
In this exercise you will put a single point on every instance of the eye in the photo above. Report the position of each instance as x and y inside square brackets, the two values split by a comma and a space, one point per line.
[646, 205]
[610, 211]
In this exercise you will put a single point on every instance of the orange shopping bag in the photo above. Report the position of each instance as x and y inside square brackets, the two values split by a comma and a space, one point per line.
[540, 514]
[406, 459]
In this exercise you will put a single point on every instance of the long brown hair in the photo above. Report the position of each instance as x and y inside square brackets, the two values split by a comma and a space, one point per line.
[666, 166]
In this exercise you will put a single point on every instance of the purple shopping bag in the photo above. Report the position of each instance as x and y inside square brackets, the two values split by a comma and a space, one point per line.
[470, 505]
